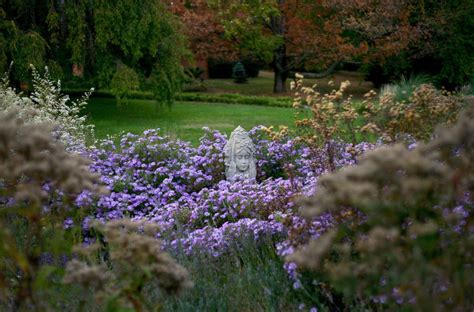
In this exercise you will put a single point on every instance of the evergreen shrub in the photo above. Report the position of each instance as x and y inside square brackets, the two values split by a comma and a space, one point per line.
[238, 73]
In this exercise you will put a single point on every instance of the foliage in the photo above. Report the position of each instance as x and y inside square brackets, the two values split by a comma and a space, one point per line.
[149, 36]
[273, 32]
[137, 261]
[27, 48]
[181, 189]
[220, 68]
[204, 32]
[445, 52]
[227, 98]
[403, 89]
[451, 45]
[417, 117]
[46, 104]
[333, 117]
[238, 73]
[93, 36]
[4, 46]
[38, 182]
[194, 80]
[291, 33]
[250, 277]
[124, 80]
[406, 210]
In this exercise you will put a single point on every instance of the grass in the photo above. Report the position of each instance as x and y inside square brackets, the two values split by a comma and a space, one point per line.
[403, 89]
[263, 85]
[248, 278]
[184, 120]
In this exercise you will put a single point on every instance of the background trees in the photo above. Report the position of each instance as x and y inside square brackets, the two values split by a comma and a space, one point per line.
[90, 38]
[409, 37]
[287, 34]
[388, 36]
[87, 38]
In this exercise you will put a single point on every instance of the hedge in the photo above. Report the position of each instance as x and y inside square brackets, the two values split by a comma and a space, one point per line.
[196, 97]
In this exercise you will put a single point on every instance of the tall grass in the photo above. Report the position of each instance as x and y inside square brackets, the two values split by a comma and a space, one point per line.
[250, 277]
[403, 89]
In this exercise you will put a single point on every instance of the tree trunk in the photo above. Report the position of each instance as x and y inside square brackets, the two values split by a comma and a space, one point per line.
[90, 58]
[322, 74]
[279, 82]
[280, 59]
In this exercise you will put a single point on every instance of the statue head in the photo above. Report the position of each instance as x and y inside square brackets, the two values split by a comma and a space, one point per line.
[239, 155]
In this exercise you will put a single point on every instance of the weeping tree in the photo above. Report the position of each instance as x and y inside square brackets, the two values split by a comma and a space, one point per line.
[92, 38]
[146, 37]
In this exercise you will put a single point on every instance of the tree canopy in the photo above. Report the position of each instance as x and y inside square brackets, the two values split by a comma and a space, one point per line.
[91, 38]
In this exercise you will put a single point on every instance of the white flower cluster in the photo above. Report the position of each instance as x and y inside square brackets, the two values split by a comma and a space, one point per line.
[46, 104]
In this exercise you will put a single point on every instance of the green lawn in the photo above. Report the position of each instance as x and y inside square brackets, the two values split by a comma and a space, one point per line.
[263, 84]
[184, 120]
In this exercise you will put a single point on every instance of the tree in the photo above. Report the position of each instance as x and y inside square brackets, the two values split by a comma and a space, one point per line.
[124, 80]
[407, 36]
[238, 73]
[285, 33]
[94, 36]
[292, 33]
[203, 29]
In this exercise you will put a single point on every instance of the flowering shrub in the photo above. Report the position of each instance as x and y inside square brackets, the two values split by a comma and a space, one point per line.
[38, 183]
[46, 104]
[183, 190]
[418, 116]
[136, 259]
[404, 227]
[334, 116]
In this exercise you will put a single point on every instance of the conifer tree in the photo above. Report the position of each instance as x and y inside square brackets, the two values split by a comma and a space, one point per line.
[238, 73]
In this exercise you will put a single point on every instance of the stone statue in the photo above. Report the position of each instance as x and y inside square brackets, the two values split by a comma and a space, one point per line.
[239, 153]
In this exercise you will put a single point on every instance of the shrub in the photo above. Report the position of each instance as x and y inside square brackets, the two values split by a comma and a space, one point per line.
[47, 104]
[403, 89]
[418, 116]
[181, 188]
[222, 69]
[333, 117]
[137, 261]
[194, 79]
[336, 117]
[38, 182]
[200, 97]
[403, 236]
[238, 73]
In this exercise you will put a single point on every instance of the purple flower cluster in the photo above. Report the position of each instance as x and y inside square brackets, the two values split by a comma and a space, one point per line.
[216, 241]
[183, 189]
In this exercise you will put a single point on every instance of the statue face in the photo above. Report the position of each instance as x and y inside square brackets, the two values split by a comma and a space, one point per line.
[242, 160]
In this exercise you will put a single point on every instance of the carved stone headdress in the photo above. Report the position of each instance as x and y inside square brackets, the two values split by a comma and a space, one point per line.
[239, 140]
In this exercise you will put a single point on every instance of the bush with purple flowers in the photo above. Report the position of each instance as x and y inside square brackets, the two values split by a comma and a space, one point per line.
[183, 189]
